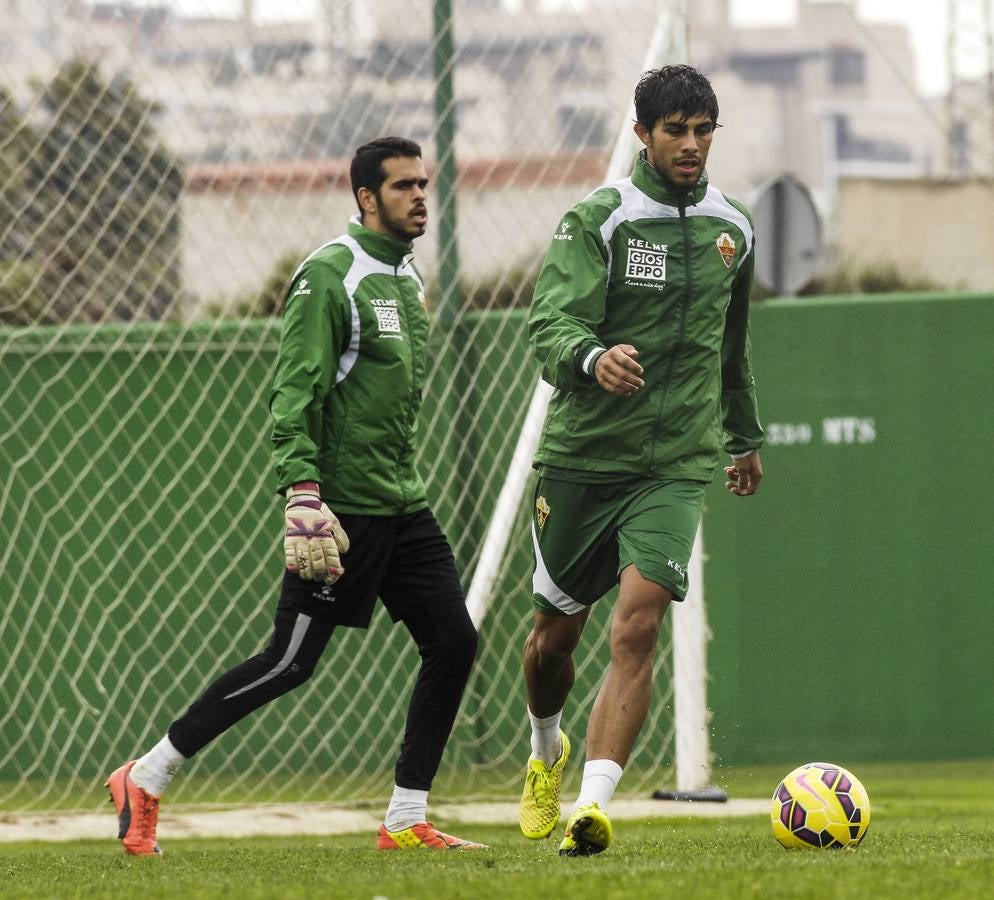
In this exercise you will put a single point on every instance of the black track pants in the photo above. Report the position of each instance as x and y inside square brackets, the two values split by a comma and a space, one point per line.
[406, 561]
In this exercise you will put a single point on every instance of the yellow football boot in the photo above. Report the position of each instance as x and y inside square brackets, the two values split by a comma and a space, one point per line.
[539, 811]
[588, 831]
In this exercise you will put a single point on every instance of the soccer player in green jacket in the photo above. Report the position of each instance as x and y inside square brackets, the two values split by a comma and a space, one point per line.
[640, 322]
[345, 404]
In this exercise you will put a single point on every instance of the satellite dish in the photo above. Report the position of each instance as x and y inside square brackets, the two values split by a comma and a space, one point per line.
[788, 235]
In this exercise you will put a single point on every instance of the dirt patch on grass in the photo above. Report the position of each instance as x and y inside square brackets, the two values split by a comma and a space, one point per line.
[323, 818]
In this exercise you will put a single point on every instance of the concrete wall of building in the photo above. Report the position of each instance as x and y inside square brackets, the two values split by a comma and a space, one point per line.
[233, 238]
[941, 230]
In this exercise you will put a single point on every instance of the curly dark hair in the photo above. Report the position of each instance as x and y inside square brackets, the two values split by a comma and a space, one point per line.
[674, 89]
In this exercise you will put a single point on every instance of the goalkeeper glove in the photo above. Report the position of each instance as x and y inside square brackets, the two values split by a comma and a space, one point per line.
[314, 538]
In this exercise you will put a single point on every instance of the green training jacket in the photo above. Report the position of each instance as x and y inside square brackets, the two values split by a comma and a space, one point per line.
[349, 375]
[669, 273]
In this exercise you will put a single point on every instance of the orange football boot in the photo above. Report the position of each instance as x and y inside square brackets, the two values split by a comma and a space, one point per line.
[137, 813]
[424, 835]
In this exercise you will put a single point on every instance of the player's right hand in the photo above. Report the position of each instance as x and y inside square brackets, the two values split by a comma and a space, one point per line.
[314, 538]
[617, 372]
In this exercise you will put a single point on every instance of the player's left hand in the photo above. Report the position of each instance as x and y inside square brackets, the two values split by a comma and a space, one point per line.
[744, 475]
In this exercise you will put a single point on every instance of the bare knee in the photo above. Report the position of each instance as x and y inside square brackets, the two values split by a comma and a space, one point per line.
[552, 640]
[634, 639]
[638, 618]
[547, 649]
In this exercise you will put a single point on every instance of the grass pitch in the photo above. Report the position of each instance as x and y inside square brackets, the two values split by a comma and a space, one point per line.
[931, 835]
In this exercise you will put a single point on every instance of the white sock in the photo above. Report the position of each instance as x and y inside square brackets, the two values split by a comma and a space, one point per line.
[546, 744]
[407, 807]
[155, 769]
[600, 778]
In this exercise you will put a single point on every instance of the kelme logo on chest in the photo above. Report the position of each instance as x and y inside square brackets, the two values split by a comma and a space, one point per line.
[646, 263]
[387, 317]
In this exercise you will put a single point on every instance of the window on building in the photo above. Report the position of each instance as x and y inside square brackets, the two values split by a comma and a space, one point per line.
[850, 147]
[847, 65]
[780, 69]
[959, 147]
[583, 129]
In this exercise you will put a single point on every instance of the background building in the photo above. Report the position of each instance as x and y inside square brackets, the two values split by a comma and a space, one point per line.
[259, 111]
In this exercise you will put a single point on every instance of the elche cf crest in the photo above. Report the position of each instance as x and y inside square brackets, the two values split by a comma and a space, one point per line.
[542, 511]
[726, 247]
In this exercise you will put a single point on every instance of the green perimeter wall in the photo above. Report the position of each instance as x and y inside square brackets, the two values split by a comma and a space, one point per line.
[848, 600]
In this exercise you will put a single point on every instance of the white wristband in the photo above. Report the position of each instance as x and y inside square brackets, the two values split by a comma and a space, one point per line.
[585, 368]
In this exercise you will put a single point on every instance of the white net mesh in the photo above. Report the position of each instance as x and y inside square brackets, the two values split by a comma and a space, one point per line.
[160, 176]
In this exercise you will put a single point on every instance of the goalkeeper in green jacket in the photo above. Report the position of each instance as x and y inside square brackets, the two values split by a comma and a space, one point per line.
[345, 405]
[640, 322]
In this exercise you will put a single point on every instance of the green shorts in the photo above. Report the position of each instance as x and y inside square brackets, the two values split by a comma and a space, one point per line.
[585, 534]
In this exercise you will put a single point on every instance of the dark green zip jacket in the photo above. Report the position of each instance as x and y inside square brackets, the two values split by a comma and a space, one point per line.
[637, 263]
[349, 375]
